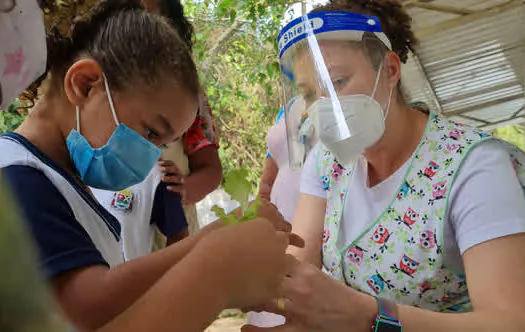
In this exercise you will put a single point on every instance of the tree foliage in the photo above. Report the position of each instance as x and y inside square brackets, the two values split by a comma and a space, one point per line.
[12, 117]
[236, 50]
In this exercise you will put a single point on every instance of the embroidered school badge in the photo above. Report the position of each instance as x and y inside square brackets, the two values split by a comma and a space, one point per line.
[123, 200]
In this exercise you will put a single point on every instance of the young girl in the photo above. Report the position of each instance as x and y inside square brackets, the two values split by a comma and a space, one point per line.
[107, 108]
[150, 215]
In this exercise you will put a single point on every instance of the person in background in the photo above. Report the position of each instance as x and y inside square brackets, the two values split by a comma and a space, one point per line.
[270, 168]
[99, 123]
[191, 165]
[280, 182]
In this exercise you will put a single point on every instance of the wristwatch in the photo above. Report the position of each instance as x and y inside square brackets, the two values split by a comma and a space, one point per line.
[387, 319]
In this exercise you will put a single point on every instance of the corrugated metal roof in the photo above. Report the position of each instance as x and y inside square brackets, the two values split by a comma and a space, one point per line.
[471, 61]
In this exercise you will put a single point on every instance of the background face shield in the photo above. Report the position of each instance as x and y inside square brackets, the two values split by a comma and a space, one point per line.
[323, 57]
[300, 132]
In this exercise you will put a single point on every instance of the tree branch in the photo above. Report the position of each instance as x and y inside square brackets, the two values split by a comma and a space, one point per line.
[239, 147]
[220, 42]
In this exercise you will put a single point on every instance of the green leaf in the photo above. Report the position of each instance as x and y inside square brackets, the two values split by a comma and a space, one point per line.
[251, 211]
[221, 214]
[237, 185]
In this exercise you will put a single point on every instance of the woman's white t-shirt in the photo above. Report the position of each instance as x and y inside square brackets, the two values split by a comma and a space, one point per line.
[486, 200]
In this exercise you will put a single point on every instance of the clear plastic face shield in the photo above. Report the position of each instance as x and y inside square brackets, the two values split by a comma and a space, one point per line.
[336, 61]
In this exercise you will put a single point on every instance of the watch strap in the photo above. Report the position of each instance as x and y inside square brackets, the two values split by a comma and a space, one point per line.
[387, 309]
[387, 317]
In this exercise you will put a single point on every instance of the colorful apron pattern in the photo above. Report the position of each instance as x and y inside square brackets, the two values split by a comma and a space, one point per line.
[400, 256]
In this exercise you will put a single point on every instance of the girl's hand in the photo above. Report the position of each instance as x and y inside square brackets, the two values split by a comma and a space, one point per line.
[269, 211]
[266, 211]
[250, 259]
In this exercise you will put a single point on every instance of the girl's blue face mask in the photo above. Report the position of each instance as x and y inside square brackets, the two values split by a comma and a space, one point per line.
[125, 160]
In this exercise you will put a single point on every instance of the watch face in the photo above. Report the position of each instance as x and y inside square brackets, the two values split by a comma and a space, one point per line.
[386, 326]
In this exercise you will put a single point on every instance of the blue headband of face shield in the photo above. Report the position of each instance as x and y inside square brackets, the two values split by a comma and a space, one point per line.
[327, 25]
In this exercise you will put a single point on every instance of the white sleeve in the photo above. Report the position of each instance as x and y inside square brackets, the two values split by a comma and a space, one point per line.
[486, 200]
[310, 181]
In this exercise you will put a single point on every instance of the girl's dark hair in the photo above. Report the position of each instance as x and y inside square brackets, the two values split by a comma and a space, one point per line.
[132, 46]
[174, 12]
[395, 21]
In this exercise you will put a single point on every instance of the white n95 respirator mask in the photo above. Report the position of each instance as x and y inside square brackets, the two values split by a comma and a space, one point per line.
[363, 116]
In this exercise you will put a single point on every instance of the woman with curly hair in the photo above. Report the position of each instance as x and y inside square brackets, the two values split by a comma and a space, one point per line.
[417, 222]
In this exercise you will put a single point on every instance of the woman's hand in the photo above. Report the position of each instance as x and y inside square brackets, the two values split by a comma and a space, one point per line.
[252, 258]
[314, 302]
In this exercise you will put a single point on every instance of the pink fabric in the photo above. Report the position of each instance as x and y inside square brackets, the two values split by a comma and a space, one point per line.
[285, 191]
[284, 195]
